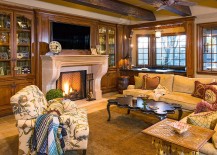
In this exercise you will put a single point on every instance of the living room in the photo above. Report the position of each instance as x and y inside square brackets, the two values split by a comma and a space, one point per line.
[127, 67]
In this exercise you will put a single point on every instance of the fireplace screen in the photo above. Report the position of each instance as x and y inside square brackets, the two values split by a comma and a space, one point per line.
[73, 84]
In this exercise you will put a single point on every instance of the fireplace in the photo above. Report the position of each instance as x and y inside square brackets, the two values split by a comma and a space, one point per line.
[53, 66]
[73, 84]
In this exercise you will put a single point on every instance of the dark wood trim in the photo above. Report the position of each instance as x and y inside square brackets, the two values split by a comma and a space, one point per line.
[199, 52]
[189, 27]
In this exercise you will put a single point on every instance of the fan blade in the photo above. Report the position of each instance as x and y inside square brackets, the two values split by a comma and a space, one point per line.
[185, 3]
[179, 9]
[162, 7]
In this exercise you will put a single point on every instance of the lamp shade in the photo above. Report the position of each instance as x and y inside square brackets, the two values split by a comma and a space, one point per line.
[157, 34]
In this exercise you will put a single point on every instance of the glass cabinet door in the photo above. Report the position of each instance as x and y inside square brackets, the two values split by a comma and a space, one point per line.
[23, 42]
[102, 40]
[5, 43]
[111, 47]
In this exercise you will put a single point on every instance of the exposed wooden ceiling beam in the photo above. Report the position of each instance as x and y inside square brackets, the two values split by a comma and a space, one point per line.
[180, 10]
[118, 7]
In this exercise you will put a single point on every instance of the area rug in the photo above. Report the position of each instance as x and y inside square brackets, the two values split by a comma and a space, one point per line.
[120, 136]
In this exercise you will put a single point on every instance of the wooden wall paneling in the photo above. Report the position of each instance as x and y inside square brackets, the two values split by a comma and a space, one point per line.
[6, 92]
[120, 45]
[199, 49]
[20, 84]
[189, 27]
[42, 29]
[126, 42]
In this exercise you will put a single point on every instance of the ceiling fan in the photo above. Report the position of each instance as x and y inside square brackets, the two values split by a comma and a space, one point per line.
[179, 7]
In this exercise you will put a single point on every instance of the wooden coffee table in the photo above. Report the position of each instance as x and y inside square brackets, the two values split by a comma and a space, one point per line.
[159, 109]
[189, 141]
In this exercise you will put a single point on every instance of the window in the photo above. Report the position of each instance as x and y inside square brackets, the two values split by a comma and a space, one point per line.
[207, 60]
[171, 51]
[143, 50]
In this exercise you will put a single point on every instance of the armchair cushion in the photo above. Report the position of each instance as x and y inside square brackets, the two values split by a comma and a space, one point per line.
[76, 125]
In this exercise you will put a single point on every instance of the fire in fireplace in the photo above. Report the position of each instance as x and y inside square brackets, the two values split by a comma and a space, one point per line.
[73, 84]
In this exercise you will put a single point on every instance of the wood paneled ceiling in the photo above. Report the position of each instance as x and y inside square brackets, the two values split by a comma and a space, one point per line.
[128, 9]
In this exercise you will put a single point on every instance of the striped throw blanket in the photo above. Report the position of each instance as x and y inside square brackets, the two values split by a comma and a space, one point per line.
[45, 139]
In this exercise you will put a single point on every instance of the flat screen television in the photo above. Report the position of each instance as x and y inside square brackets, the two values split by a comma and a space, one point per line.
[71, 36]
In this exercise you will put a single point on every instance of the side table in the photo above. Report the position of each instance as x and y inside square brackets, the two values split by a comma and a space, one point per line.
[122, 83]
[168, 141]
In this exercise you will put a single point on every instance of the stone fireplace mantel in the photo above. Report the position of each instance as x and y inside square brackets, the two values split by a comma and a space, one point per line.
[51, 68]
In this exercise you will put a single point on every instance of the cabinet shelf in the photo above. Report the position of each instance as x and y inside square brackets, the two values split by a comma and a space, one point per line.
[2, 60]
[4, 44]
[23, 59]
[23, 45]
[23, 30]
[4, 30]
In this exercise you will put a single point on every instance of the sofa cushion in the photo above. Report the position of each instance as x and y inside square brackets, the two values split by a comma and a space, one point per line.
[186, 100]
[166, 80]
[151, 83]
[138, 82]
[186, 85]
[199, 89]
[214, 137]
[204, 119]
[208, 149]
[211, 94]
[137, 92]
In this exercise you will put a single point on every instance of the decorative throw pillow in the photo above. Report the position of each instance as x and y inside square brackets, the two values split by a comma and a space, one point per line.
[204, 119]
[151, 83]
[210, 94]
[203, 106]
[199, 89]
[138, 82]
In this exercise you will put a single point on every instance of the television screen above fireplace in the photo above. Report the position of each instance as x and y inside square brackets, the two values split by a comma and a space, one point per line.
[71, 36]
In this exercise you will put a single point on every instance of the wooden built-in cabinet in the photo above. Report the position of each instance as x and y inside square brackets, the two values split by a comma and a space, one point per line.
[16, 54]
[107, 46]
[109, 81]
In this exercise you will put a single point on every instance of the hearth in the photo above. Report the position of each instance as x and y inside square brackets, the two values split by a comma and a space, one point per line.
[73, 84]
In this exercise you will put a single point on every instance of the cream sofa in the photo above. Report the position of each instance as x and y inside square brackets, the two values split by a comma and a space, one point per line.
[180, 89]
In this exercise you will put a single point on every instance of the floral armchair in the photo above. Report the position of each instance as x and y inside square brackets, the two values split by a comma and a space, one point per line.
[30, 102]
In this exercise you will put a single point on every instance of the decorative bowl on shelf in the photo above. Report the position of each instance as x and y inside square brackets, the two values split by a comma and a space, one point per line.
[180, 127]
